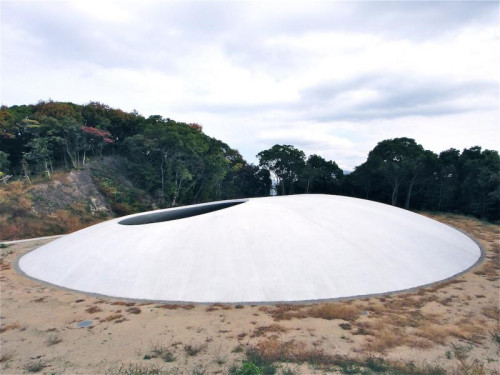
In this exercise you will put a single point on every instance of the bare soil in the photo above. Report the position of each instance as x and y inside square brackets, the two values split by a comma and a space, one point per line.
[452, 326]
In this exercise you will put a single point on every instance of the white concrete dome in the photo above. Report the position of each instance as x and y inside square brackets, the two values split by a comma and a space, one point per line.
[291, 248]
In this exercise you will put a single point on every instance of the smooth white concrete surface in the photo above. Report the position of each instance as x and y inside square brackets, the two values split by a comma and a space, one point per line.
[291, 248]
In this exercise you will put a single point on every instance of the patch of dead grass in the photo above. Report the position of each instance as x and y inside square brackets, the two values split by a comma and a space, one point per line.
[113, 317]
[9, 326]
[176, 306]
[384, 339]
[273, 328]
[332, 311]
[93, 309]
[491, 312]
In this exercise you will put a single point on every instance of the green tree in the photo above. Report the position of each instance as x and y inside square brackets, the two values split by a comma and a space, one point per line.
[398, 160]
[286, 163]
[322, 176]
[40, 155]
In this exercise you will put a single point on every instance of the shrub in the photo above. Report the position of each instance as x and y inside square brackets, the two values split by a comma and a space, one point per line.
[193, 349]
[247, 368]
[36, 365]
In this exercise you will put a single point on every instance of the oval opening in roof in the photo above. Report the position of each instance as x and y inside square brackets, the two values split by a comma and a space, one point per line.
[178, 213]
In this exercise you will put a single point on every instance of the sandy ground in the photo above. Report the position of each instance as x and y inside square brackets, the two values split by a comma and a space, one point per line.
[453, 325]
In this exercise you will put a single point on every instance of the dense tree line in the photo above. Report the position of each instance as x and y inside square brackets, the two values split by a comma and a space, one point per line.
[178, 164]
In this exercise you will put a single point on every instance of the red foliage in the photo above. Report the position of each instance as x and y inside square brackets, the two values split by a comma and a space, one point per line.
[103, 134]
[196, 126]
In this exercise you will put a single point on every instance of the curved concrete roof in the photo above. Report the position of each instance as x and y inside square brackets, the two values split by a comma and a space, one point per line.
[291, 248]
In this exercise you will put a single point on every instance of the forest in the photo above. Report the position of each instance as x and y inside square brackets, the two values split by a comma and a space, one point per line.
[178, 164]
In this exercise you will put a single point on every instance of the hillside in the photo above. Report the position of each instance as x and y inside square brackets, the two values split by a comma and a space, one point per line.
[69, 200]
[168, 163]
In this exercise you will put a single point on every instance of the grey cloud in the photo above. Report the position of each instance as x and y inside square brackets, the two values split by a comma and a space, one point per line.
[242, 28]
[399, 96]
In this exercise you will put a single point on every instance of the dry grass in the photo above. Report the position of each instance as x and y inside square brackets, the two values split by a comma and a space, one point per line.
[436, 333]
[113, 317]
[193, 349]
[274, 350]
[329, 311]
[6, 355]
[273, 328]
[4, 266]
[468, 331]
[385, 339]
[284, 311]
[176, 306]
[492, 312]
[7, 327]
[93, 309]
[122, 303]
[53, 340]
[332, 311]
[217, 306]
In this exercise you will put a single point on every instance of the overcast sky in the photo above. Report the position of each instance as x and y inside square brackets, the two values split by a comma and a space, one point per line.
[331, 78]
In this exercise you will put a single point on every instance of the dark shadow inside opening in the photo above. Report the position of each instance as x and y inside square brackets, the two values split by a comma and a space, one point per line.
[179, 213]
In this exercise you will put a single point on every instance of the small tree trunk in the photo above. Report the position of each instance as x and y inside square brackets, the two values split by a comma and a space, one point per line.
[162, 180]
[394, 198]
[26, 172]
[47, 169]
[410, 188]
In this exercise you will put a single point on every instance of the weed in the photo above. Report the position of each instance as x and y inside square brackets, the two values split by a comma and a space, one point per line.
[3, 245]
[53, 340]
[160, 351]
[35, 365]
[193, 349]
[134, 310]
[274, 328]
[247, 368]
[198, 370]
[377, 364]
[345, 326]
[134, 369]
[461, 352]
[495, 336]
[350, 367]
[219, 358]
[238, 349]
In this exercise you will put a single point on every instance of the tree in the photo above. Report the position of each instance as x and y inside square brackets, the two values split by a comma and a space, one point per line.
[322, 176]
[397, 160]
[94, 140]
[286, 163]
[479, 182]
[40, 154]
[447, 179]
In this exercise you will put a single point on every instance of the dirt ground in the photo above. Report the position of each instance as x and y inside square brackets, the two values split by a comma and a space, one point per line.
[450, 327]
